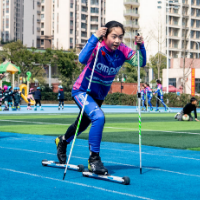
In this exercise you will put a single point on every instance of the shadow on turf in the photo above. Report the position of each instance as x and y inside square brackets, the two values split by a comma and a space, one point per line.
[8, 136]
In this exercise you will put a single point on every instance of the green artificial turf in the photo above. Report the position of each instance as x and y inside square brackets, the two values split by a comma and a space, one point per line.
[160, 129]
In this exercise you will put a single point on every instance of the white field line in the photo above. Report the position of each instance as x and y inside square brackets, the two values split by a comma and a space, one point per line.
[131, 129]
[76, 183]
[169, 171]
[189, 158]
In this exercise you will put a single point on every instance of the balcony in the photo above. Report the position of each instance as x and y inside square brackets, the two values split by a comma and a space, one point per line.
[38, 20]
[131, 24]
[131, 13]
[38, 12]
[133, 3]
[38, 29]
[39, 3]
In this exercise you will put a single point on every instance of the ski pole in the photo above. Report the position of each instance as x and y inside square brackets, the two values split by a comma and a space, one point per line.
[139, 111]
[82, 111]
[163, 103]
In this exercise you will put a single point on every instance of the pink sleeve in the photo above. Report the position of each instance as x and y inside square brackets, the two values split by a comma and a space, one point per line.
[128, 52]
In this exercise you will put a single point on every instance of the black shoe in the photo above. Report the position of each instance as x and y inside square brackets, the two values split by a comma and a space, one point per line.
[96, 166]
[58, 108]
[61, 149]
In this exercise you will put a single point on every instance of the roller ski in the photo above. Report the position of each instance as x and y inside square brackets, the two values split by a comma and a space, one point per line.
[14, 108]
[97, 170]
[51, 163]
[58, 108]
[157, 110]
[6, 109]
[29, 108]
[41, 109]
[35, 109]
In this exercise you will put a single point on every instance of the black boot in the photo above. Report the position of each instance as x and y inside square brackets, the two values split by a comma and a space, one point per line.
[61, 149]
[96, 166]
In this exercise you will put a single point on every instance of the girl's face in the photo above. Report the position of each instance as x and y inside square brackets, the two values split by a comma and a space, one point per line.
[114, 38]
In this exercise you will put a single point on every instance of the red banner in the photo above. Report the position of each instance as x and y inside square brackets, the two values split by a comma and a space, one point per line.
[193, 82]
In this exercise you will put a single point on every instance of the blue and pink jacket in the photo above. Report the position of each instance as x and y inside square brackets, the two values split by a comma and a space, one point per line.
[143, 94]
[108, 64]
[148, 92]
[159, 90]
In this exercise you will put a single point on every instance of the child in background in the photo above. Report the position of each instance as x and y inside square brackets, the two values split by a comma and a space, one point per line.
[112, 54]
[10, 97]
[149, 95]
[18, 90]
[29, 98]
[6, 94]
[160, 96]
[16, 97]
[187, 111]
[1, 97]
[61, 97]
[37, 97]
[143, 97]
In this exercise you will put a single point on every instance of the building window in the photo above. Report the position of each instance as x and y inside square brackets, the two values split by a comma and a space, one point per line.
[71, 5]
[197, 85]
[94, 27]
[42, 32]
[7, 21]
[71, 14]
[42, 1]
[84, 9]
[83, 17]
[71, 40]
[71, 31]
[94, 10]
[84, 41]
[42, 25]
[83, 34]
[7, 10]
[32, 43]
[94, 2]
[94, 19]
[57, 3]
[172, 81]
[42, 16]
[83, 25]
[42, 8]
[42, 42]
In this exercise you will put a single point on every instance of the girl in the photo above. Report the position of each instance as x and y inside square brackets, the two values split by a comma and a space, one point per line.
[37, 96]
[61, 97]
[143, 97]
[112, 54]
[160, 95]
[29, 98]
[149, 95]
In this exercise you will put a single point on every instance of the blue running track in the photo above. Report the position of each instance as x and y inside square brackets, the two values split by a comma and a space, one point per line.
[73, 108]
[168, 174]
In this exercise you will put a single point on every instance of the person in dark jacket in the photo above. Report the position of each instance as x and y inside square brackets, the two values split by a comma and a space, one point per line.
[17, 98]
[6, 94]
[61, 97]
[187, 111]
[10, 97]
[37, 97]
[1, 97]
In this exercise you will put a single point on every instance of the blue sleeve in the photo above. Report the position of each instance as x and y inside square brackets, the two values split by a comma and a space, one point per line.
[156, 90]
[143, 51]
[87, 50]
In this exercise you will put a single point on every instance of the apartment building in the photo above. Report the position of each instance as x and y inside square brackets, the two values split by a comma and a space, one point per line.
[11, 20]
[127, 13]
[74, 21]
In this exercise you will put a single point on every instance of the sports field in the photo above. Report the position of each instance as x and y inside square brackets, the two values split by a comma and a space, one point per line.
[171, 172]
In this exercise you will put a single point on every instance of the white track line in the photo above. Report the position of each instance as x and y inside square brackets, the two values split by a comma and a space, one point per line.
[131, 129]
[75, 183]
[164, 170]
[189, 158]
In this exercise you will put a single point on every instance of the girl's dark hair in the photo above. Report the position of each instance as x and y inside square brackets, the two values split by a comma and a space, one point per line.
[147, 84]
[112, 24]
[193, 99]
[158, 81]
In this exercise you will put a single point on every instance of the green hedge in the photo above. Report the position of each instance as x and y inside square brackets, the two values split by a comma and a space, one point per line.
[51, 96]
[124, 99]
